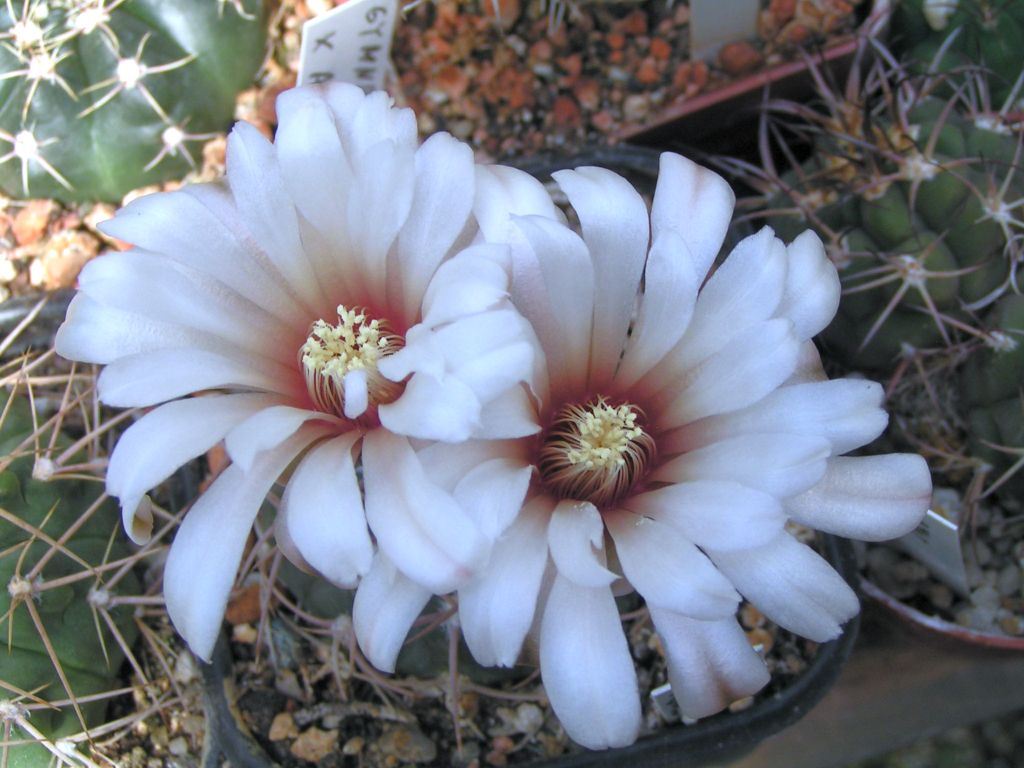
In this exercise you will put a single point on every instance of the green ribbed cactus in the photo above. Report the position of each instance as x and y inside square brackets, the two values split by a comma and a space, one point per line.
[99, 97]
[60, 565]
[917, 199]
[989, 33]
[917, 190]
[992, 387]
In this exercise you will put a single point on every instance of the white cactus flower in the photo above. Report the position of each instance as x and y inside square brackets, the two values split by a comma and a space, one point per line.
[685, 419]
[327, 305]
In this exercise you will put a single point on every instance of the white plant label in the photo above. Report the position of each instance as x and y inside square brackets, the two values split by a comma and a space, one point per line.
[665, 703]
[713, 23]
[936, 543]
[349, 44]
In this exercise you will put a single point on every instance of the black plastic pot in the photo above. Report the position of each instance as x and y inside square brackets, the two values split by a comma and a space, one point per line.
[723, 737]
[729, 735]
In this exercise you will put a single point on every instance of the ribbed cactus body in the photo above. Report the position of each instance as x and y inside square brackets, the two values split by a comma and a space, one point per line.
[989, 33]
[917, 212]
[88, 654]
[992, 388]
[99, 98]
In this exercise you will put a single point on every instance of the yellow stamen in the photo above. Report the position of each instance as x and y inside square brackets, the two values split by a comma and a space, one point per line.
[595, 452]
[354, 343]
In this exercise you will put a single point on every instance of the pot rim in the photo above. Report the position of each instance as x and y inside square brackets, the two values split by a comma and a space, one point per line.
[935, 625]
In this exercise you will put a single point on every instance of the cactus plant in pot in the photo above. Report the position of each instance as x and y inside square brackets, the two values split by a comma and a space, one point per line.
[914, 183]
[408, 428]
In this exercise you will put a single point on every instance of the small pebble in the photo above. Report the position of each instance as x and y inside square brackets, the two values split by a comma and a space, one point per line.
[314, 745]
[981, 552]
[635, 107]
[910, 570]
[283, 727]
[31, 221]
[986, 597]
[940, 595]
[750, 617]
[407, 743]
[353, 746]
[1008, 581]
[529, 718]
[761, 640]
[739, 58]
[981, 619]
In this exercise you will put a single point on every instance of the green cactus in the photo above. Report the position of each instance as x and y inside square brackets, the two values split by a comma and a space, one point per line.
[917, 199]
[992, 387]
[99, 97]
[59, 555]
[989, 33]
[917, 190]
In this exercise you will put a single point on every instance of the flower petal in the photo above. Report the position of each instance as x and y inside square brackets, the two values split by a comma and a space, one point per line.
[441, 205]
[489, 352]
[845, 411]
[493, 492]
[791, 585]
[267, 211]
[376, 215]
[812, 290]
[616, 228]
[418, 525]
[357, 393]
[433, 409]
[669, 571]
[497, 608]
[714, 513]
[95, 333]
[511, 414]
[503, 192]
[745, 291]
[267, 429]
[365, 119]
[314, 167]
[576, 540]
[694, 202]
[710, 663]
[586, 666]
[214, 242]
[386, 605]
[665, 309]
[152, 448]
[207, 548]
[472, 281]
[872, 498]
[146, 378]
[447, 463]
[754, 363]
[561, 308]
[323, 509]
[779, 464]
[158, 288]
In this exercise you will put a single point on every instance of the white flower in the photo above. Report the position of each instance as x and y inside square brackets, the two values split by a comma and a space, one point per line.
[684, 422]
[327, 299]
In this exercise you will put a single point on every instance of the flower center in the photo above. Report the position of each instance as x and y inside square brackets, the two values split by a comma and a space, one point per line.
[595, 452]
[354, 343]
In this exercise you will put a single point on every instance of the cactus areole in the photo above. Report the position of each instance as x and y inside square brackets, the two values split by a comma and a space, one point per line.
[99, 97]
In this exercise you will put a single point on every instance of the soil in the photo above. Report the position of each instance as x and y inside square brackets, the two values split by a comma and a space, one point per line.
[530, 83]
